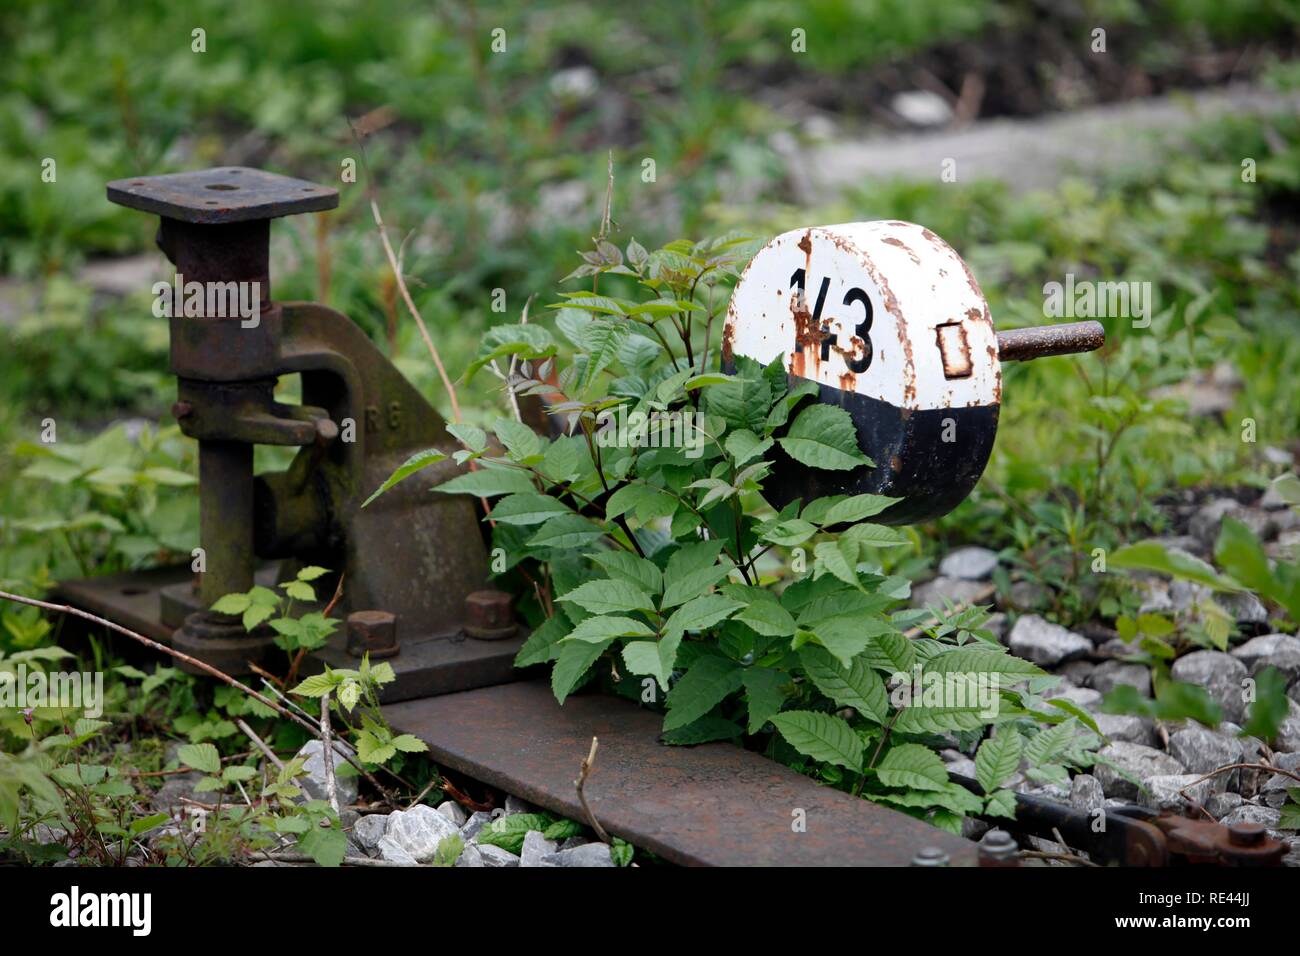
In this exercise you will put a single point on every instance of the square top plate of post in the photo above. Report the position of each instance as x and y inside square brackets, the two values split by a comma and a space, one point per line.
[222, 194]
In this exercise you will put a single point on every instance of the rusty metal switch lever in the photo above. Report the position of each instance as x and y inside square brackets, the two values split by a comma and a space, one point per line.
[409, 561]
[1138, 836]
[1020, 345]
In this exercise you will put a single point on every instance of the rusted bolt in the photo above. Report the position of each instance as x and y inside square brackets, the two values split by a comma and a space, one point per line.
[182, 410]
[373, 633]
[490, 615]
[998, 848]
[1246, 834]
[930, 856]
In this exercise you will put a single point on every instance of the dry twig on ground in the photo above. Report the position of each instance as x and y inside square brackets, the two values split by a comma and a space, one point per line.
[580, 784]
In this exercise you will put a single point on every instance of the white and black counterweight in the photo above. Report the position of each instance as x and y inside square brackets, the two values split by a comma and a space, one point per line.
[890, 323]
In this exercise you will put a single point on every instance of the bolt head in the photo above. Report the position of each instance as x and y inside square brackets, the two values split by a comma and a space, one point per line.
[489, 615]
[998, 847]
[1246, 834]
[930, 856]
[373, 633]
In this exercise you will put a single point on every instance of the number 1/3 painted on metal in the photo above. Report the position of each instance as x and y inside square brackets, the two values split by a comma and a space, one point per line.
[861, 331]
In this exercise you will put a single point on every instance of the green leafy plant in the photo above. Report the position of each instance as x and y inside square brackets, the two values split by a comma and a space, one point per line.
[123, 501]
[376, 742]
[1244, 567]
[662, 570]
[295, 635]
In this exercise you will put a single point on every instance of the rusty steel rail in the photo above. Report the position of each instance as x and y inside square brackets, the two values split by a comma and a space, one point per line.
[711, 805]
[1040, 341]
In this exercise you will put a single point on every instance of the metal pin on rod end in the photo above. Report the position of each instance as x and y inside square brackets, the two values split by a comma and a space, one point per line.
[1021, 345]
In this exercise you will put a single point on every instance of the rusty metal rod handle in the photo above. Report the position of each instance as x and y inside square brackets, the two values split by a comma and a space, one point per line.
[1021, 345]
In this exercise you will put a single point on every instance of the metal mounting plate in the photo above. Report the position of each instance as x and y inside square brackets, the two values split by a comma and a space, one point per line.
[429, 663]
[711, 805]
[223, 194]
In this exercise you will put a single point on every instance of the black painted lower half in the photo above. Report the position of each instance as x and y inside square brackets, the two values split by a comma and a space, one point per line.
[930, 458]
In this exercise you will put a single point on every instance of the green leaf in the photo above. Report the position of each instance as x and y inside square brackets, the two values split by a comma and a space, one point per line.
[525, 508]
[764, 690]
[527, 340]
[823, 436]
[326, 846]
[875, 536]
[471, 436]
[571, 665]
[789, 533]
[1269, 708]
[1074, 710]
[655, 658]
[318, 685]
[311, 573]
[508, 832]
[255, 615]
[847, 637]
[704, 685]
[998, 758]
[1052, 773]
[488, 482]
[1240, 553]
[594, 630]
[202, 757]
[373, 750]
[702, 731]
[608, 596]
[822, 737]
[232, 604]
[1174, 700]
[1050, 743]
[952, 800]
[170, 477]
[838, 509]
[145, 824]
[522, 443]
[543, 644]
[562, 830]
[715, 490]
[409, 744]
[261, 595]
[856, 686]
[601, 341]
[565, 532]
[1001, 804]
[701, 613]
[645, 502]
[1153, 556]
[742, 402]
[692, 570]
[764, 615]
[914, 767]
[629, 567]
[984, 660]
[840, 558]
[299, 590]
[1290, 819]
[743, 445]
[418, 461]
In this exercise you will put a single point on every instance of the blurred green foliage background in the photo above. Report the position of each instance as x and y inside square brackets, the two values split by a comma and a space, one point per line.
[490, 169]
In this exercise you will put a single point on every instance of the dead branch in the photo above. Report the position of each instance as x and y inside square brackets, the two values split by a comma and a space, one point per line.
[580, 783]
[261, 744]
[327, 754]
